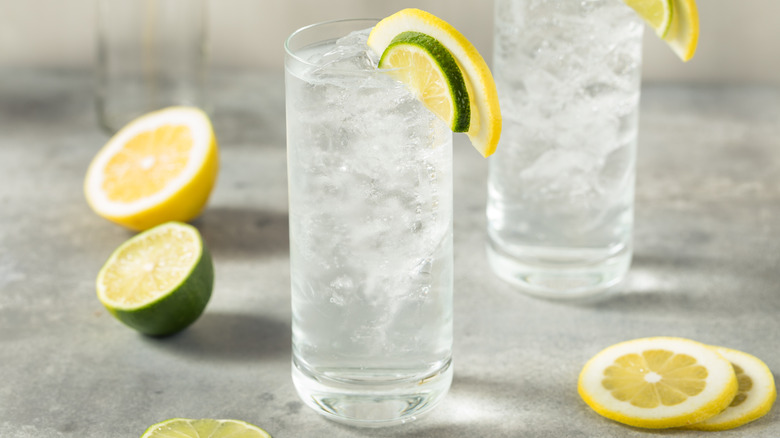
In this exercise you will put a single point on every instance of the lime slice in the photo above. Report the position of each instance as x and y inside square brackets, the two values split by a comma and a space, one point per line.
[426, 66]
[160, 167]
[755, 395]
[158, 282]
[658, 382]
[204, 428]
[656, 13]
[485, 114]
[683, 34]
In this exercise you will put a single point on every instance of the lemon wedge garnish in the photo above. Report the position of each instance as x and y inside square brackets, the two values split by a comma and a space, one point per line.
[656, 13]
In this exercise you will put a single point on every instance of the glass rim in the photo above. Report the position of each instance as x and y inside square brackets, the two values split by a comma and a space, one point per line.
[292, 54]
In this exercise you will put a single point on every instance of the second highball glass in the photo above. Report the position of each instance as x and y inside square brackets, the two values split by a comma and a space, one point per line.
[561, 184]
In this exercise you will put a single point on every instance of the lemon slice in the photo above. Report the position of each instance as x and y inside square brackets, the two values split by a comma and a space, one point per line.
[158, 282]
[429, 69]
[160, 167]
[204, 428]
[658, 382]
[485, 114]
[656, 13]
[683, 34]
[755, 395]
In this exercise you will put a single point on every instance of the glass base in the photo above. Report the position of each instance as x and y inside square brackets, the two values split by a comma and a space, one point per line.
[113, 116]
[560, 273]
[370, 402]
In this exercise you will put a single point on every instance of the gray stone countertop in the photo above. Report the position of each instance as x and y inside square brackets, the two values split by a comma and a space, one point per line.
[706, 266]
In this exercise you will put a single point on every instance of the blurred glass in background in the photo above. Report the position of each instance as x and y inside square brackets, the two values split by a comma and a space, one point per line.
[150, 54]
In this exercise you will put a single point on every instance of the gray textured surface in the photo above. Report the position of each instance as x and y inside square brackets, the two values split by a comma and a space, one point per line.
[706, 266]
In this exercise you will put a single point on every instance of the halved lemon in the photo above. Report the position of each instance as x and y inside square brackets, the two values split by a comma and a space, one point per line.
[656, 13]
[160, 167]
[204, 428]
[658, 382]
[755, 395]
[484, 127]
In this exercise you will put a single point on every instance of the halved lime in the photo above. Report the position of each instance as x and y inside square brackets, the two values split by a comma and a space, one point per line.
[425, 65]
[204, 428]
[158, 282]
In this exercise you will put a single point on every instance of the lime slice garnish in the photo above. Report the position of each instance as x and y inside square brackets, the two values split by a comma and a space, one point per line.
[755, 394]
[204, 428]
[428, 68]
[158, 282]
[656, 13]
[485, 114]
[658, 382]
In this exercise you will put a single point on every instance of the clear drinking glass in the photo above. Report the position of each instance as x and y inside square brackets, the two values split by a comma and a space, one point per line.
[150, 54]
[561, 184]
[370, 204]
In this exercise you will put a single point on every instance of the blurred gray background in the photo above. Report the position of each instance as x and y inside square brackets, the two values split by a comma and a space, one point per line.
[740, 39]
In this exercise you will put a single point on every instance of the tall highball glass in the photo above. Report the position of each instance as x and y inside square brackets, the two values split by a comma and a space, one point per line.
[561, 185]
[150, 54]
[370, 204]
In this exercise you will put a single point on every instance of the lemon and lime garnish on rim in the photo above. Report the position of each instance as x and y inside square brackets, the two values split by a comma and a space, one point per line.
[444, 70]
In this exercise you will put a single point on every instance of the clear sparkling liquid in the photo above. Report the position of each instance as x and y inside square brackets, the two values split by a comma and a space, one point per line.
[561, 185]
[370, 189]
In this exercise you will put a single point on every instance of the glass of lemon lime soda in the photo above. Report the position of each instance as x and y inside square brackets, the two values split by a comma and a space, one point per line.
[371, 258]
[561, 184]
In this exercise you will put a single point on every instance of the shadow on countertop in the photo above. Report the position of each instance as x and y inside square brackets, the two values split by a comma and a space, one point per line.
[238, 232]
[225, 336]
